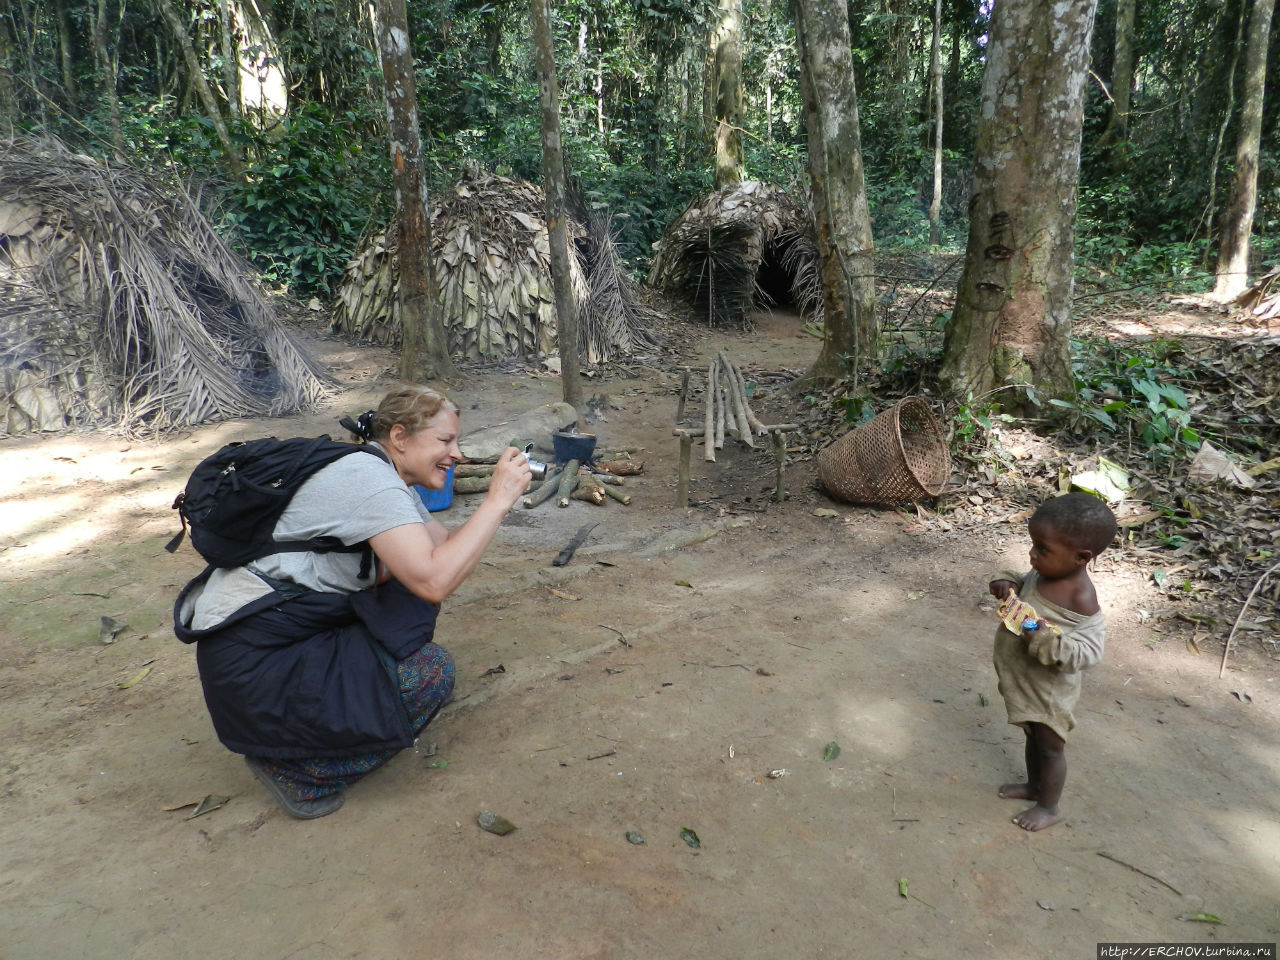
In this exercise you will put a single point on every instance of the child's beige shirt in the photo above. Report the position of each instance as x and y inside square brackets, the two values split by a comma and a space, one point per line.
[1040, 674]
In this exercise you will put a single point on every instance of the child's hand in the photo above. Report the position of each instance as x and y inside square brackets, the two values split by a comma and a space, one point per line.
[1000, 589]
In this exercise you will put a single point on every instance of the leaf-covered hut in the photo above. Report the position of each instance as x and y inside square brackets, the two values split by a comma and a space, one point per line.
[120, 306]
[744, 245]
[493, 271]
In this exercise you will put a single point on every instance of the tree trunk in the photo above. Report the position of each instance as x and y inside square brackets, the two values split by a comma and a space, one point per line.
[195, 76]
[230, 57]
[66, 53]
[9, 113]
[845, 250]
[1012, 317]
[1117, 130]
[935, 78]
[726, 65]
[424, 347]
[1233, 252]
[554, 185]
[107, 77]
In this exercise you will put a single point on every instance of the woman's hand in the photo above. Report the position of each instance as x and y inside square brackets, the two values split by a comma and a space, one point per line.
[511, 476]
[1000, 589]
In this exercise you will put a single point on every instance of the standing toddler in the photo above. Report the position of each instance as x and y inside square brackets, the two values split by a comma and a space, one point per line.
[1039, 666]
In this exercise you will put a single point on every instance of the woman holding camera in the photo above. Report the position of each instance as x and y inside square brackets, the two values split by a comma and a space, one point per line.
[319, 666]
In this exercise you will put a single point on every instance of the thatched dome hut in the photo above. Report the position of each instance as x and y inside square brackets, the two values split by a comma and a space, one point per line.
[493, 270]
[120, 306]
[745, 245]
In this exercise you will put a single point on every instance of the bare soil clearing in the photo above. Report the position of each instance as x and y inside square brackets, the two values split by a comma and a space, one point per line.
[651, 685]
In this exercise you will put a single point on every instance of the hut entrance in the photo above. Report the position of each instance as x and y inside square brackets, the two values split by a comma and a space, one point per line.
[745, 247]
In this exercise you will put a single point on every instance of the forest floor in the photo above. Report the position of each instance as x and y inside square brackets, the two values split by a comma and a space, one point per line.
[685, 672]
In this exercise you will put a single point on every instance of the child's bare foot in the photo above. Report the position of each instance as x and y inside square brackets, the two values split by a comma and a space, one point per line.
[1038, 818]
[1018, 791]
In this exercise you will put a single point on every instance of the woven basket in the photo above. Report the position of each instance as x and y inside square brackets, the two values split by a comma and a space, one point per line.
[898, 456]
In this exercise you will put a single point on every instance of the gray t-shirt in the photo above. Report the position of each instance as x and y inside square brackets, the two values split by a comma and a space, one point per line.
[353, 499]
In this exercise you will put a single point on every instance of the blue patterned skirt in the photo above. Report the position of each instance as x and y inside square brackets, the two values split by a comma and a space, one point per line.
[426, 683]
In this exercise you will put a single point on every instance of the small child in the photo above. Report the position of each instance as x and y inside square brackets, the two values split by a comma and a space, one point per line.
[1039, 668]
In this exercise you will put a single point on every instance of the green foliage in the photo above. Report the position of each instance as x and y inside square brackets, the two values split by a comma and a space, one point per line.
[1133, 390]
[973, 426]
[308, 196]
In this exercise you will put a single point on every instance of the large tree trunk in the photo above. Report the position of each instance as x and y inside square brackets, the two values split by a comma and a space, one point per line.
[935, 78]
[195, 77]
[107, 77]
[1012, 317]
[726, 88]
[845, 250]
[554, 185]
[424, 348]
[66, 52]
[1233, 252]
[1117, 130]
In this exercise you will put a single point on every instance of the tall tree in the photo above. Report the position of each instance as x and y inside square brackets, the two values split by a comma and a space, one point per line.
[726, 92]
[845, 250]
[196, 77]
[424, 350]
[107, 77]
[935, 81]
[1012, 316]
[1233, 251]
[555, 187]
[1122, 72]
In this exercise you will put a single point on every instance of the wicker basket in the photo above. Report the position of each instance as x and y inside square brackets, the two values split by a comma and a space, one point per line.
[898, 456]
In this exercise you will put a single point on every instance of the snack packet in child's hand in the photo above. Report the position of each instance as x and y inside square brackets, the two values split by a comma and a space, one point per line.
[1020, 617]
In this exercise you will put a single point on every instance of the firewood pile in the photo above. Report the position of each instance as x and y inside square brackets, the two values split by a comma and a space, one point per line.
[597, 483]
[716, 252]
[120, 306]
[492, 264]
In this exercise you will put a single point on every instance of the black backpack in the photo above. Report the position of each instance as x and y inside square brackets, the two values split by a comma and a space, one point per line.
[235, 496]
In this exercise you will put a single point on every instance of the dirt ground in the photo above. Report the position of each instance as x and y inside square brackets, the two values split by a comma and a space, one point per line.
[651, 685]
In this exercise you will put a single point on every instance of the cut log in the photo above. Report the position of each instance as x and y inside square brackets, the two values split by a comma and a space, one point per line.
[568, 481]
[470, 484]
[621, 468]
[543, 492]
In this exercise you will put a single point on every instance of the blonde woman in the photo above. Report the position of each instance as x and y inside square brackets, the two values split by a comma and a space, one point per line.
[318, 667]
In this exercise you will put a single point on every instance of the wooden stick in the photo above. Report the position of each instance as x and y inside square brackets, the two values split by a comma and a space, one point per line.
[568, 480]
[619, 495]
[684, 393]
[780, 459]
[471, 484]
[473, 470]
[543, 492]
[682, 475]
[753, 421]
[611, 479]
[589, 491]
[1222, 668]
[721, 414]
[731, 423]
[709, 428]
[738, 398]
[621, 468]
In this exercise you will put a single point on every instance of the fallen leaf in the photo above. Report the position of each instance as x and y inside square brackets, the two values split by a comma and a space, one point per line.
[635, 838]
[109, 629]
[902, 887]
[1045, 905]
[489, 821]
[208, 805]
[684, 583]
[691, 838]
[825, 512]
[1201, 918]
[562, 595]
[140, 675]
[915, 594]
[777, 774]
[831, 751]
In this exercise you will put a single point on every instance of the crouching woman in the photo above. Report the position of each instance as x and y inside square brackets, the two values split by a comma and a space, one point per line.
[319, 666]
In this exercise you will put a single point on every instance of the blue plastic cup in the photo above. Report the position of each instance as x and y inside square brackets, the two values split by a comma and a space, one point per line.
[437, 500]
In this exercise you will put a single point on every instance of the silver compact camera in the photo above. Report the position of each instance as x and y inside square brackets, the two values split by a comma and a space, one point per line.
[536, 467]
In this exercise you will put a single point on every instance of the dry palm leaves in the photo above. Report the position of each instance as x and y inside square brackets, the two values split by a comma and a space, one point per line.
[745, 244]
[1262, 300]
[119, 305]
[493, 270]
